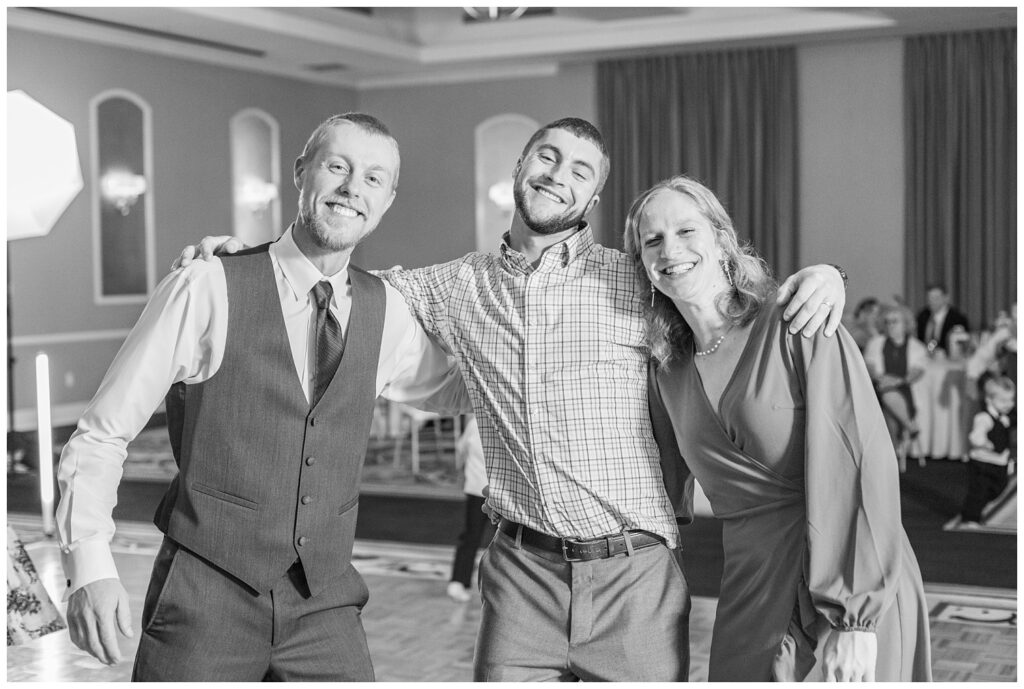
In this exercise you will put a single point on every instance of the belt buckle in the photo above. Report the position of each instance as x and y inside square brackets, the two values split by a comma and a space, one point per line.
[565, 552]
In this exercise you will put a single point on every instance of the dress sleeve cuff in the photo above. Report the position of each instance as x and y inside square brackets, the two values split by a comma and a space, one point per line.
[85, 563]
[845, 627]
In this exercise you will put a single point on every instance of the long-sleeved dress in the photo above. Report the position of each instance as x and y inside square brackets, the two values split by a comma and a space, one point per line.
[798, 464]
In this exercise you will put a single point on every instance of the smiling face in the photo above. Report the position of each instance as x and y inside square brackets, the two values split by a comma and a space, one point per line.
[679, 250]
[345, 185]
[556, 182]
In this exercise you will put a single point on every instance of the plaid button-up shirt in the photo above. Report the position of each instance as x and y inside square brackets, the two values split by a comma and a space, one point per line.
[555, 361]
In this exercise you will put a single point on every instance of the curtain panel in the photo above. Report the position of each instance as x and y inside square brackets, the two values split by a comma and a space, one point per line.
[725, 118]
[961, 188]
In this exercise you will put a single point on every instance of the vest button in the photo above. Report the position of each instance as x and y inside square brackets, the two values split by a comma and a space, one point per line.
[303, 540]
[306, 499]
[312, 421]
[310, 461]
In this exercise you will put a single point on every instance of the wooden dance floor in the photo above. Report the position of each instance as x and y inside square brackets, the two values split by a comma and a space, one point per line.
[416, 633]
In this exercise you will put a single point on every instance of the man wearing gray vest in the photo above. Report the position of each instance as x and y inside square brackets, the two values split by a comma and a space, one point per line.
[254, 578]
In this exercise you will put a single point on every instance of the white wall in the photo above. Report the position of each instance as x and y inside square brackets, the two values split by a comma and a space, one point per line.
[851, 172]
[50, 279]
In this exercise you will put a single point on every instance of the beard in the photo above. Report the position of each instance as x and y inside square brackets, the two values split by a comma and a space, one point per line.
[323, 236]
[552, 225]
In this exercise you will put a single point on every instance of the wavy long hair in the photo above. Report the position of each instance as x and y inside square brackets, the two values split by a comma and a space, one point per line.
[668, 335]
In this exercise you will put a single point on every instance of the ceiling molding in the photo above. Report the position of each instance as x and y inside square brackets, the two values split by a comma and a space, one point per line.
[659, 32]
[410, 46]
[436, 77]
[76, 30]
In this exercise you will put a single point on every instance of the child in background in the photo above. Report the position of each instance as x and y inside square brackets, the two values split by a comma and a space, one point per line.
[992, 439]
[477, 529]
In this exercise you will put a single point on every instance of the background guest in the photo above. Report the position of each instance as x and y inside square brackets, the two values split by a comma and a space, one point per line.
[996, 353]
[938, 319]
[477, 528]
[896, 360]
[865, 322]
[992, 446]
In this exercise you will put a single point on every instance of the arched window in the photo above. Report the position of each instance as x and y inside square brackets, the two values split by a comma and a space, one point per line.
[499, 142]
[256, 176]
[122, 198]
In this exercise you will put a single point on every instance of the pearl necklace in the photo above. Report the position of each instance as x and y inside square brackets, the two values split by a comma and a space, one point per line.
[712, 348]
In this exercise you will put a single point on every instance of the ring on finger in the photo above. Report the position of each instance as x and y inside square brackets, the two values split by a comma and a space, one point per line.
[826, 303]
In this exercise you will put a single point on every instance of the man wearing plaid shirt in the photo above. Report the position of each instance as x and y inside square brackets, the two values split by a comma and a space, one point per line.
[584, 578]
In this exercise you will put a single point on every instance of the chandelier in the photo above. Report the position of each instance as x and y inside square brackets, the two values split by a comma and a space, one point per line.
[492, 14]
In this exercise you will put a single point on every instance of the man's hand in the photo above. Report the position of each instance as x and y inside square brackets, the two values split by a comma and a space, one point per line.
[487, 508]
[92, 610]
[207, 248]
[850, 656]
[815, 295]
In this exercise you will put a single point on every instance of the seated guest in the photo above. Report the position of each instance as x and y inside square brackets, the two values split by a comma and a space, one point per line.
[938, 319]
[865, 322]
[992, 440]
[895, 361]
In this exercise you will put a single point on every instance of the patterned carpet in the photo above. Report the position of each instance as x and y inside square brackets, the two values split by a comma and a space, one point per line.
[999, 517]
[416, 633]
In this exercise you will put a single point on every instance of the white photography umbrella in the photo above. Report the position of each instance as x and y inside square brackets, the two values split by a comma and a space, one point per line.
[43, 172]
[43, 177]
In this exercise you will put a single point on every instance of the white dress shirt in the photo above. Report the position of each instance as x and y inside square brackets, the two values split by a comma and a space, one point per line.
[181, 336]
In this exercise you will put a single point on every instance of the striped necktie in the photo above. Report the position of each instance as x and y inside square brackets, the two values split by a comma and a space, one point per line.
[329, 341]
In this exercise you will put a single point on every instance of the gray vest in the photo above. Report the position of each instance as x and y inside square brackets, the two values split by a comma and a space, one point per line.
[263, 478]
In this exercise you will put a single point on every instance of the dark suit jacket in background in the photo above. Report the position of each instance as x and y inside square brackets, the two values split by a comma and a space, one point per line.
[953, 319]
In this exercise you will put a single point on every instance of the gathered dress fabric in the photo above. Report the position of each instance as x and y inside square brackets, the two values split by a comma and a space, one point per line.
[797, 463]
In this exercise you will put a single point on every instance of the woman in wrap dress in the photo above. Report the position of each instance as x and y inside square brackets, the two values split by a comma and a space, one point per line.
[785, 435]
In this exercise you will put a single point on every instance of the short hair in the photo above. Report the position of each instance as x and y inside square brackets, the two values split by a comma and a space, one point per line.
[1004, 383]
[936, 285]
[582, 129]
[368, 123]
[865, 304]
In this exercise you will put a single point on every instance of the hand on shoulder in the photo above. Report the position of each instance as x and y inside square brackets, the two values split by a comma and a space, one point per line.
[208, 248]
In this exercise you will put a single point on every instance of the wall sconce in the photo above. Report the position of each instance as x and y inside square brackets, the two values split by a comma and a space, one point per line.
[122, 188]
[501, 196]
[255, 195]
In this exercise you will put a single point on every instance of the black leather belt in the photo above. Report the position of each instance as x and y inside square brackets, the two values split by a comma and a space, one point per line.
[578, 551]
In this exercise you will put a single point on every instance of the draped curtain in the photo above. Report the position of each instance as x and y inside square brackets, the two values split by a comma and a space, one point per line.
[961, 203]
[725, 118]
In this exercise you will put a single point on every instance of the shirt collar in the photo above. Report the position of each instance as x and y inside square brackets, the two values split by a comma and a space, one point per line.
[299, 272]
[566, 251]
[1003, 418]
